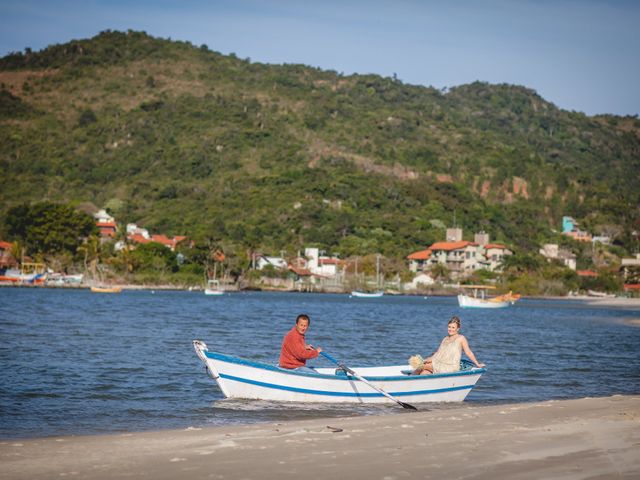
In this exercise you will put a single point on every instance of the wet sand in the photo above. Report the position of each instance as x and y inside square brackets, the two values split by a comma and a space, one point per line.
[584, 438]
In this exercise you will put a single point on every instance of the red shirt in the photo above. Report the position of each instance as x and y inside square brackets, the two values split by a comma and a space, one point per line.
[293, 353]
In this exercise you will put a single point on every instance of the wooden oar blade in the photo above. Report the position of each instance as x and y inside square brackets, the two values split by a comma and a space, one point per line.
[408, 406]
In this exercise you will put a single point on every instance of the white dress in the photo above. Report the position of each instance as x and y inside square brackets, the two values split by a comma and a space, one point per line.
[447, 358]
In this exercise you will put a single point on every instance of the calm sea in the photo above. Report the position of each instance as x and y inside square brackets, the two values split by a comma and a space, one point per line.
[76, 362]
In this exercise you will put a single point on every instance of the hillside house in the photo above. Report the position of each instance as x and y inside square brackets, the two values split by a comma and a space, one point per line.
[170, 243]
[551, 251]
[106, 224]
[133, 229]
[103, 217]
[322, 265]
[570, 228]
[139, 235]
[418, 261]
[7, 260]
[279, 263]
[494, 253]
[461, 257]
[630, 269]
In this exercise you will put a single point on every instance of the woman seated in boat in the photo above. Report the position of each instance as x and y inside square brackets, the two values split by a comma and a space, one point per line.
[447, 358]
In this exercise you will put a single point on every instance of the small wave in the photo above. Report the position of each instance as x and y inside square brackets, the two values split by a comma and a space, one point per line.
[39, 395]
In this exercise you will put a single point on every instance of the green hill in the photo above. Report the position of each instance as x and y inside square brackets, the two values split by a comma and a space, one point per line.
[187, 141]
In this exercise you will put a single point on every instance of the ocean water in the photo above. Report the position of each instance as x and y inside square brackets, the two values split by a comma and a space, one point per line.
[76, 362]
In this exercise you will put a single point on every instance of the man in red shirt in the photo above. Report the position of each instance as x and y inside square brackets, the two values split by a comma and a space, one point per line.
[295, 352]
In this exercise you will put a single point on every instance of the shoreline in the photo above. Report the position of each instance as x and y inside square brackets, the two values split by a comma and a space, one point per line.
[588, 437]
[604, 301]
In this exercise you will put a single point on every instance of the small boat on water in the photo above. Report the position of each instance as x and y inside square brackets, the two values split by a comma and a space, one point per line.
[241, 378]
[356, 293]
[24, 276]
[213, 288]
[594, 293]
[479, 298]
[106, 289]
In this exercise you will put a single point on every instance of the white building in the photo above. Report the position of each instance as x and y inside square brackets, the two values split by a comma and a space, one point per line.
[494, 253]
[322, 265]
[277, 262]
[551, 251]
[461, 257]
[421, 280]
[102, 216]
[133, 229]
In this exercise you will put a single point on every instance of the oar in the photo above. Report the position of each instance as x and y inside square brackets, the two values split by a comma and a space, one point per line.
[364, 380]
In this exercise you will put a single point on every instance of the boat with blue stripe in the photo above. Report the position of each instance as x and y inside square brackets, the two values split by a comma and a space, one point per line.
[248, 379]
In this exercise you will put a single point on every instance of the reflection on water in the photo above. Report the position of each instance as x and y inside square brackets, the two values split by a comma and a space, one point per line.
[75, 362]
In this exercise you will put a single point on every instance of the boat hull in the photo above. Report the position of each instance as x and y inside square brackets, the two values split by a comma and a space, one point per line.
[106, 289]
[367, 295]
[470, 302]
[239, 378]
[16, 277]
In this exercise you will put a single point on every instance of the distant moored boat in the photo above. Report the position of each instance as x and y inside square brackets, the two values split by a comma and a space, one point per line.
[479, 298]
[106, 289]
[356, 293]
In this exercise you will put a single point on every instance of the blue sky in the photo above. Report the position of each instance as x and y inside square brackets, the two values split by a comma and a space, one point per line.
[582, 55]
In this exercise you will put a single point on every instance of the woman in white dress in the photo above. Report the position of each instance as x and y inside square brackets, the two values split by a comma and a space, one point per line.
[447, 358]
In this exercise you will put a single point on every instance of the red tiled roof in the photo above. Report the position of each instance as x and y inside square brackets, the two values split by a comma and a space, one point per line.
[421, 255]
[5, 245]
[162, 239]
[302, 272]
[451, 245]
[631, 286]
[497, 246]
[329, 261]
[107, 232]
[136, 237]
[106, 224]
[586, 273]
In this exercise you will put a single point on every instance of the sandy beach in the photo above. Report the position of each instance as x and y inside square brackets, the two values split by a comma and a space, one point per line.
[583, 438]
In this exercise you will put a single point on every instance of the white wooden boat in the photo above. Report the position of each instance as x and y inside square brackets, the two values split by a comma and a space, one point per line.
[213, 288]
[594, 293]
[16, 276]
[356, 293]
[240, 378]
[106, 289]
[479, 298]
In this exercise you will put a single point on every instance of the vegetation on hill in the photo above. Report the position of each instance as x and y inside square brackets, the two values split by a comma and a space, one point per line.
[186, 141]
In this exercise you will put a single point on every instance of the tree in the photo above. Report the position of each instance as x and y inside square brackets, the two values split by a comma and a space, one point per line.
[90, 251]
[155, 256]
[518, 264]
[48, 227]
[439, 272]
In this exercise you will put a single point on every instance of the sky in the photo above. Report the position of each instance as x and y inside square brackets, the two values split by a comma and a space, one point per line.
[581, 55]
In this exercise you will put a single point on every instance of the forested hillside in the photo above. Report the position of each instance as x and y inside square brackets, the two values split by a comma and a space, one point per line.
[184, 140]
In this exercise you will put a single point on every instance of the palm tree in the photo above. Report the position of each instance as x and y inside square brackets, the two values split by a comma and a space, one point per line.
[90, 250]
[439, 271]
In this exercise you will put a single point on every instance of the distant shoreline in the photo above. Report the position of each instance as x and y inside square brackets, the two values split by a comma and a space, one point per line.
[622, 302]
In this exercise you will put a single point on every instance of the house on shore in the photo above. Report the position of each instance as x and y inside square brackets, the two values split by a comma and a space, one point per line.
[106, 224]
[570, 229]
[460, 257]
[551, 251]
